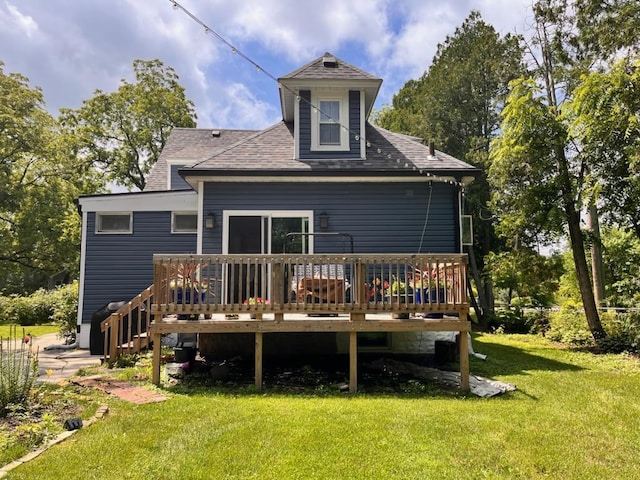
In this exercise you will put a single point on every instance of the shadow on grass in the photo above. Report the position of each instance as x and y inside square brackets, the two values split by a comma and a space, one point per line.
[511, 360]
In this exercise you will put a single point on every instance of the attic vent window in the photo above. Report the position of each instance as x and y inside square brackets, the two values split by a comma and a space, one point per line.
[215, 133]
[329, 61]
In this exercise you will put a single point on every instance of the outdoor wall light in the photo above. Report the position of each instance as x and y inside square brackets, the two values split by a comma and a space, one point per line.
[210, 220]
[323, 221]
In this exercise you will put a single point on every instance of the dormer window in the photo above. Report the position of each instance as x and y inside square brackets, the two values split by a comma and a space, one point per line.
[330, 121]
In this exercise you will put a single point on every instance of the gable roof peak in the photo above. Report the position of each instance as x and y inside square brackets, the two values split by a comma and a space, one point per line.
[328, 66]
[326, 71]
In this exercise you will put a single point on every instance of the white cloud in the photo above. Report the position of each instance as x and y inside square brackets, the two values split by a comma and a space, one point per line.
[13, 17]
[235, 106]
[71, 48]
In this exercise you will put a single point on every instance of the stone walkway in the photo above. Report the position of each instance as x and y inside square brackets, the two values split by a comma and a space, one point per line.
[55, 365]
[58, 364]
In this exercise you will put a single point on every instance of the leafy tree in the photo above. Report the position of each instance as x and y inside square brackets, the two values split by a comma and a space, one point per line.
[537, 173]
[526, 273]
[39, 224]
[607, 28]
[123, 132]
[622, 267]
[456, 103]
[605, 123]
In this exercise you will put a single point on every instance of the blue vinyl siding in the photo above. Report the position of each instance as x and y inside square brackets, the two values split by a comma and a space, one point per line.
[177, 182]
[354, 123]
[304, 126]
[118, 267]
[381, 217]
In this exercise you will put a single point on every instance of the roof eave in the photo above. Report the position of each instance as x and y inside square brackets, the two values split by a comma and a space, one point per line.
[193, 176]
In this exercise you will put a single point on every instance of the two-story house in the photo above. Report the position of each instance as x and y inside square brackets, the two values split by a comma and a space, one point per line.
[321, 181]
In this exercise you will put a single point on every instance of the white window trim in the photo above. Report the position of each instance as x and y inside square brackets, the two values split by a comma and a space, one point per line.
[113, 232]
[341, 96]
[173, 222]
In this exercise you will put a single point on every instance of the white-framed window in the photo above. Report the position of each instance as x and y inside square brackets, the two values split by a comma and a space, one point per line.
[114, 222]
[330, 121]
[184, 222]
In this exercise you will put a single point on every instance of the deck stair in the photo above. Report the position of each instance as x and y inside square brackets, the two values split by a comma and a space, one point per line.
[125, 330]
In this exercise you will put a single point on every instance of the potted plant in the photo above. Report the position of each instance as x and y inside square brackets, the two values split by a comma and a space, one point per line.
[186, 289]
[426, 287]
[400, 295]
[256, 301]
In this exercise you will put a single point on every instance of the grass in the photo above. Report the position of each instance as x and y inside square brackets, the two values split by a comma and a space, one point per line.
[574, 416]
[35, 330]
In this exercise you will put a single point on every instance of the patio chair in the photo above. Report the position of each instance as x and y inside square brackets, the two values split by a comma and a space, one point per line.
[320, 283]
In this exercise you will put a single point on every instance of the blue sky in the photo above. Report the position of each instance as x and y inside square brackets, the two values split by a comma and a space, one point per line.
[69, 48]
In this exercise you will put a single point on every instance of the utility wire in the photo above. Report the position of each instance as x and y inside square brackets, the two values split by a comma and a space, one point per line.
[236, 51]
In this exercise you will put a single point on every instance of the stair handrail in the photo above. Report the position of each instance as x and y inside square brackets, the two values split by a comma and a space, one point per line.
[113, 331]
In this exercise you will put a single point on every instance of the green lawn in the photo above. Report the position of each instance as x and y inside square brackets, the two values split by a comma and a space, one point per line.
[36, 330]
[574, 416]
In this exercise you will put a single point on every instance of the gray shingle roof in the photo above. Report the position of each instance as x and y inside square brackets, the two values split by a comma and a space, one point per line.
[317, 70]
[272, 150]
[190, 145]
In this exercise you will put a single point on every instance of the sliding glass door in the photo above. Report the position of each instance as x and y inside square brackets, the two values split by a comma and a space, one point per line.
[262, 233]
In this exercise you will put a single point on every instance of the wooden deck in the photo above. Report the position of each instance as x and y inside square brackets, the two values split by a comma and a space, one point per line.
[282, 290]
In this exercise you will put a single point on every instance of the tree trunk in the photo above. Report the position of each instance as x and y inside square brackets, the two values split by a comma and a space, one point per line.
[596, 255]
[576, 238]
[483, 307]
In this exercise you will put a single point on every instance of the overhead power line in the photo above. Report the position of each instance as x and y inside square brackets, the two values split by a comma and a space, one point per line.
[236, 51]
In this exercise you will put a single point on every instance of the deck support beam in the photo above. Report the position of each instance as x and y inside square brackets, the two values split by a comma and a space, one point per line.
[464, 360]
[156, 337]
[258, 358]
[353, 362]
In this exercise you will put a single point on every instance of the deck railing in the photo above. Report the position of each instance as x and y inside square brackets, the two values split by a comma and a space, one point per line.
[193, 285]
[125, 330]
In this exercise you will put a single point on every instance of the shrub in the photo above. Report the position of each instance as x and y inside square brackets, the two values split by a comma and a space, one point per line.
[64, 301]
[569, 325]
[26, 311]
[59, 306]
[18, 372]
[623, 332]
[538, 321]
[519, 321]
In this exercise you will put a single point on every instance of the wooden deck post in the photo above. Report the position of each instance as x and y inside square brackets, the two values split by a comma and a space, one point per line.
[277, 284]
[157, 348]
[361, 284]
[464, 360]
[115, 323]
[353, 362]
[258, 366]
